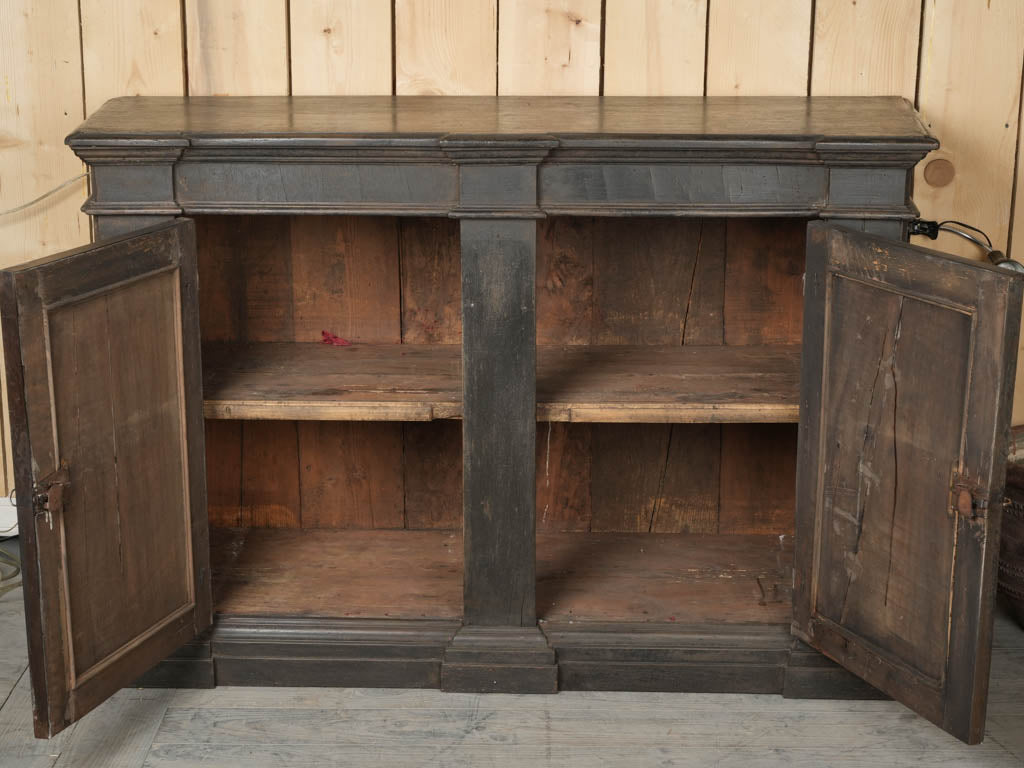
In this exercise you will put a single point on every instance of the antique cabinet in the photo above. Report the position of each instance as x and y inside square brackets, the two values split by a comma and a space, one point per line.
[509, 394]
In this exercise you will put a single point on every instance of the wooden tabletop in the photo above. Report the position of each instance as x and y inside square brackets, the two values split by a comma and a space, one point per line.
[426, 119]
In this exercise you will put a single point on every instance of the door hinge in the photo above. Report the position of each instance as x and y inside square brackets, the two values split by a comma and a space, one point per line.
[965, 497]
[48, 493]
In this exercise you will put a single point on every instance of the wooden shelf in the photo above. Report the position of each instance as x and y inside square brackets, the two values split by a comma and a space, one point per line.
[411, 382]
[580, 576]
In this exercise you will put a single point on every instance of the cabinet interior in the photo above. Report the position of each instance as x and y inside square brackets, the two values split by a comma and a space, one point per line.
[668, 378]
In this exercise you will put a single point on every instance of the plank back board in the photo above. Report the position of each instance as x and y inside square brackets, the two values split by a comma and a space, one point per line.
[103, 367]
[906, 387]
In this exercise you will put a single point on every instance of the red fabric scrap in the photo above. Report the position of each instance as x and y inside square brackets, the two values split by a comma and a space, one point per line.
[334, 341]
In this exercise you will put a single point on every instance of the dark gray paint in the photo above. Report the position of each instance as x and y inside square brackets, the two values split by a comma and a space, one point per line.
[499, 361]
[850, 160]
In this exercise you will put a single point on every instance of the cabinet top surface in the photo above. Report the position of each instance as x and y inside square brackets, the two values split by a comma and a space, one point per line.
[427, 119]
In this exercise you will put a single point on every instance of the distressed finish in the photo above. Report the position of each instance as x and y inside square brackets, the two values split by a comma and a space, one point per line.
[434, 155]
[499, 425]
[691, 317]
[103, 370]
[909, 357]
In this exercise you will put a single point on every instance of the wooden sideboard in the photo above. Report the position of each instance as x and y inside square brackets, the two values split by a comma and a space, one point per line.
[595, 361]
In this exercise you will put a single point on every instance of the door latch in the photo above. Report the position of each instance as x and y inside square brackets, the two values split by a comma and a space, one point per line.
[48, 493]
[966, 498]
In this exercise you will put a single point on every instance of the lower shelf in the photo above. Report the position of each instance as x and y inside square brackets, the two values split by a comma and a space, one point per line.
[639, 612]
[588, 577]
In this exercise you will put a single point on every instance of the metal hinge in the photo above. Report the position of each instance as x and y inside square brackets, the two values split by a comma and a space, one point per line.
[48, 493]
[965, 497]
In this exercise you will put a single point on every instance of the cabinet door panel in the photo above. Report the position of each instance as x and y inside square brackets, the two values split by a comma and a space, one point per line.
[102, 353]
[908, 366]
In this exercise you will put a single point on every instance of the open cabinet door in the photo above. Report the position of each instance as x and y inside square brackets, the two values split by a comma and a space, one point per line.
[101, 346]
[907, 382]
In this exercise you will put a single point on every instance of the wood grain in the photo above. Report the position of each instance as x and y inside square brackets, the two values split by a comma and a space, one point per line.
[870, 439]
[237, 47]
[764, 269]
[549, 47]
[641, 276]
[563, 477]
[270, 475]
[565, 280]
[758, 478]
[565, 315]
[659, 577]
[499, 436]
[865, 48]
[344, 272]
[791, 120]
[140, 553]
[433, 475]
[431, 281]
[654, 47]
[758, 48]
[446, 47]
[628, 469]
[688, 497]
[969, 94]
[340, 46]
[394, 574]
[224, 472]
[265, 279]
[350, 475]
[42, 103]
[130, 49]
[415, 574]
[585, 383]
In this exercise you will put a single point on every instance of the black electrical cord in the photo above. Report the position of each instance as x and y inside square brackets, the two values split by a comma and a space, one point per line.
[931, 229]
[966, 226]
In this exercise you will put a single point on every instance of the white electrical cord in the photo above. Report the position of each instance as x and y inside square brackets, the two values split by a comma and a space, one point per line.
[43, 196]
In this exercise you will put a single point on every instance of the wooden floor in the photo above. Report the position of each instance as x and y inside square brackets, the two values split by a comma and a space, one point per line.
[580, 576]
[308, 727]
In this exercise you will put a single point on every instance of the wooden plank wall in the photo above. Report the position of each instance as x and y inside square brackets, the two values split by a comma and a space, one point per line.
[959, 60]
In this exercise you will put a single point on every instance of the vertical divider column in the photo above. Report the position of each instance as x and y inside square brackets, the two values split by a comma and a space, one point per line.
[499, 427]
[500, 647]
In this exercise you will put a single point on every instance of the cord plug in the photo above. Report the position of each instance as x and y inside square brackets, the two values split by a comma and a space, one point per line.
[929, 229]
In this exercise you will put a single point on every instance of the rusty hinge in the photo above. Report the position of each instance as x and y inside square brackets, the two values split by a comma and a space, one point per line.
[966, 497]
[48, 492]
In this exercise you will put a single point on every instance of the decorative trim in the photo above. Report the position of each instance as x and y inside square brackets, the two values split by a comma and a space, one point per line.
[383, 653]
[94, 208]
[358, 209]
[675, 209]
[484, 212]
[492, 150]
[136, 152]
[313, 153]
[310, 651]
[899, 212]
[499, 660]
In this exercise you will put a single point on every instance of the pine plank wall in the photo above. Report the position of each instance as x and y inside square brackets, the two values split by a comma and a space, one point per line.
[960, 61]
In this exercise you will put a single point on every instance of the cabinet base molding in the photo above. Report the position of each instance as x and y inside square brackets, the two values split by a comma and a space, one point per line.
[345, 653]
[499, 660]
[191, 666]
[590, 656]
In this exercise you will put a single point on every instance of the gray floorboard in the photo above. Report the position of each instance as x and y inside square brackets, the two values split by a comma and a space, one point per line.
[309, 727]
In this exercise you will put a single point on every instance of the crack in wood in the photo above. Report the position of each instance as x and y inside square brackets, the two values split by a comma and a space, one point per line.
[895, 451]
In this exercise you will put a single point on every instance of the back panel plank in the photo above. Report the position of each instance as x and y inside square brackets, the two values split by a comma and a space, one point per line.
[642, 282]
[348, 478]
